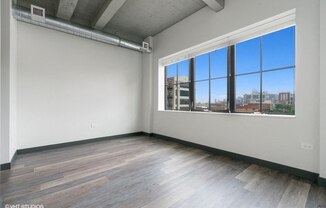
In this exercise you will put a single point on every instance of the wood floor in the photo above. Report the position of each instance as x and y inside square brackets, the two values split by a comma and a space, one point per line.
[148, 172]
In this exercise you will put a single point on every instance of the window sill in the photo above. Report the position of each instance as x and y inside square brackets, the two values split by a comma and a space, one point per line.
[230, 114]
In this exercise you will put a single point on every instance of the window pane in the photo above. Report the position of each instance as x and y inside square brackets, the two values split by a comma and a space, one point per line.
[202, 67]
[248, 56]
[183, 97]
[218, 61]
[171, 74]
[247, 93]
[219, 95]
[201, 95]
[279, 49]
[183, 71]
[278, 92]
[170, 97]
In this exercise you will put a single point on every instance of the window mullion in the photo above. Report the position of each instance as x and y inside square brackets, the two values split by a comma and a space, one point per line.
[231, 78]
[261, 76]
[191, 85]
[165, 90]
[209, 82]
[177, 87]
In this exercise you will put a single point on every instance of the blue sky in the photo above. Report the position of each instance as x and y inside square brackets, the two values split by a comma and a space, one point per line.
[278, 50]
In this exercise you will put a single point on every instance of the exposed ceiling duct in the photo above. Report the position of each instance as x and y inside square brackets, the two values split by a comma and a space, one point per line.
[23, 15]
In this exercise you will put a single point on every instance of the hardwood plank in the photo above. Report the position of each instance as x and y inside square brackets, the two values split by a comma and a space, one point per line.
[295, 195]
[62, 198]
[249, 173]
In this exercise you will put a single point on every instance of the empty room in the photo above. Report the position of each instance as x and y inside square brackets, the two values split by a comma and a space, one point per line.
[163, 103]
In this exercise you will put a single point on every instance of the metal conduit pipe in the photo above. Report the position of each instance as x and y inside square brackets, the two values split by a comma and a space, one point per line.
[23, 15]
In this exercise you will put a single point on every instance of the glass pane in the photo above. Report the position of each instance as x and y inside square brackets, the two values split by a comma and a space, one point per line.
[171, 97]
[279, 49]
[201, 95]
[248, 56]
[202, 67]
[218, 61]
[171, 74]
[183, 71]
[278, 92]
[219, 95]
[247, 93]
[183, 97]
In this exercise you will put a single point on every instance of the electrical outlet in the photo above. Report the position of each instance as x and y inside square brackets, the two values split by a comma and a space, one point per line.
[93, 126]
[307, 146]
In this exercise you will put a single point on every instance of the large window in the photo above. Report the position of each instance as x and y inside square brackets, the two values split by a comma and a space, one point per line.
[254, 76]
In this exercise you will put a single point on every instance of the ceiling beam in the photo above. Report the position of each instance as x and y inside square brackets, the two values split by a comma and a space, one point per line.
[66, 9]
[106, 14]
[216, 5]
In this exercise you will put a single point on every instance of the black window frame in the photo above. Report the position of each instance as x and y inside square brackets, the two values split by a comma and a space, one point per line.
[231, 80]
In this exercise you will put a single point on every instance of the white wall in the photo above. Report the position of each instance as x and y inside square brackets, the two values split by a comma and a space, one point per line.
[147, 92]
[275, 139]
[1, 147]
[8, 82]
[322, 88]
[66, 83]
[13, 85]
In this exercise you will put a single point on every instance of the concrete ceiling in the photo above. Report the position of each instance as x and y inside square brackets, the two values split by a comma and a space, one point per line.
[133, 20]
[138, 19]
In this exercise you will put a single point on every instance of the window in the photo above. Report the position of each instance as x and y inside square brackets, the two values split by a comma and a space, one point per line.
[201, 84]
[253, 76]
[177, 86]
[218, 81]
[264, 73]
